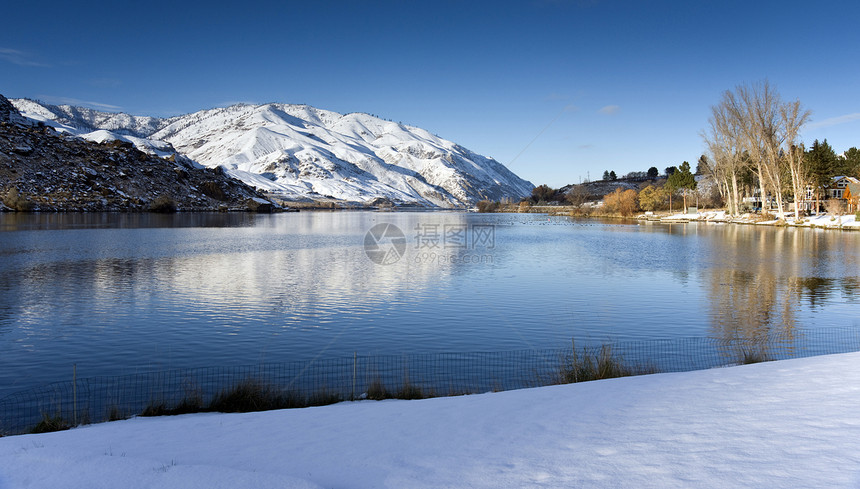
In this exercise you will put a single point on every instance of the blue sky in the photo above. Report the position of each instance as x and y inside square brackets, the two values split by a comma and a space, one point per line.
[558, 90]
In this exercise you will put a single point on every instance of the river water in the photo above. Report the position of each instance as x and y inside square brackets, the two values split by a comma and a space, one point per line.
[120, 293]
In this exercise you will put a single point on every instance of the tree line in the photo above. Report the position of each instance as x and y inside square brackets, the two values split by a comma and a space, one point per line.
[651, 174]
[753, 141]
[656, 195]
[753, 147]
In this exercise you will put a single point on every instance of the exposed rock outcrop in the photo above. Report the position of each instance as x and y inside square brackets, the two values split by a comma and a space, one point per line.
[43, 170]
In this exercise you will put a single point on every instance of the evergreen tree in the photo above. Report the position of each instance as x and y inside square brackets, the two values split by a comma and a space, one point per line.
[702, 165]
[653, 172]
[823, 166]
[605, 175]
[852, 162]
[682, 180]
[613, 176]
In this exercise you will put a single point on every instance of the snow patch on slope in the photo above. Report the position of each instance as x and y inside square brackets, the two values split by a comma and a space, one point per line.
[299, 151]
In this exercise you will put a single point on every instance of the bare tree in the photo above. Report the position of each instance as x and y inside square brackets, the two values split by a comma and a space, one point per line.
[577, 195]
[793, 118]
[740, 107]
[764, 136]
[752, 120]
[725, 143]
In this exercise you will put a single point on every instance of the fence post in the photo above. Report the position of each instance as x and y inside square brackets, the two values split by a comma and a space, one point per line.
[354, 368]
[75, 393]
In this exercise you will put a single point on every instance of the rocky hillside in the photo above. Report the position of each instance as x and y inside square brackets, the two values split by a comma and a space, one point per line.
[594, 191]
[45, 170]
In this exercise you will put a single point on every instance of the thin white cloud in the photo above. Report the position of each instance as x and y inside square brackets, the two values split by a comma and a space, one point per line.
[571, 108]
[833, 121]
[19, 58]
[609, 109]
[78, 102]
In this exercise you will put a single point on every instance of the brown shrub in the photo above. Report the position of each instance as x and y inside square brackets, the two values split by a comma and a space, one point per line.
[624, 202]
[17, 201]
[487, 206]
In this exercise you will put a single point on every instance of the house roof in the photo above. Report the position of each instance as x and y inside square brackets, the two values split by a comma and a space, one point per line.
[850, 179]
[852, 191]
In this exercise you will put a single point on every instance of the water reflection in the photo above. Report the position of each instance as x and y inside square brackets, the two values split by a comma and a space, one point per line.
[14, 221]
[109, 292]
[768, 285]
[815, 290]
[748, 305]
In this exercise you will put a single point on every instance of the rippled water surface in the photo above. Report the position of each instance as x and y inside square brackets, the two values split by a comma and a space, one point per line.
[122, 293]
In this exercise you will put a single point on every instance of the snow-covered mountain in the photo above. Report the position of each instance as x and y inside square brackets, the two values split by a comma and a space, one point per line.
[299, 151]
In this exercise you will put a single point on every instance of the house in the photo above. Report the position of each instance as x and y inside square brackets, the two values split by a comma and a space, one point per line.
[807, 200]
[852, 195]
[835, 191]
[837, 186]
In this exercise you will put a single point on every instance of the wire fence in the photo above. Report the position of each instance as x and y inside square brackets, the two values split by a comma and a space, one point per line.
[98, 399]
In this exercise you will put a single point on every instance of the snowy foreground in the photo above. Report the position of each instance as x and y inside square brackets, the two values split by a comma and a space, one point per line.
[793, 423]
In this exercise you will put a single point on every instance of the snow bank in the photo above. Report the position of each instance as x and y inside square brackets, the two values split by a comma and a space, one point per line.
[782, 424]
[846, 221]
[823, 221]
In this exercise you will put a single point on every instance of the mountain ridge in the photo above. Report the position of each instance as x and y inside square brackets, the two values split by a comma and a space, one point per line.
[300, 151]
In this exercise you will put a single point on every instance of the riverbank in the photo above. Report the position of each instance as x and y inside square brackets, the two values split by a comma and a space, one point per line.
[777, 424]
[824, 221]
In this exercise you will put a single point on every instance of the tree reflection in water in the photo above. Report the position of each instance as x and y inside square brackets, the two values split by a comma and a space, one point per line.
[764, 277]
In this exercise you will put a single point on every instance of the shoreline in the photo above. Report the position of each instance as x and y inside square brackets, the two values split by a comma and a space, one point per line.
[848, 222]
[845, 222]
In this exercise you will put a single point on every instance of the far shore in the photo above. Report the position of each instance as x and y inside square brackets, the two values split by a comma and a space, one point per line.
[821, 221]
[716, 216]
